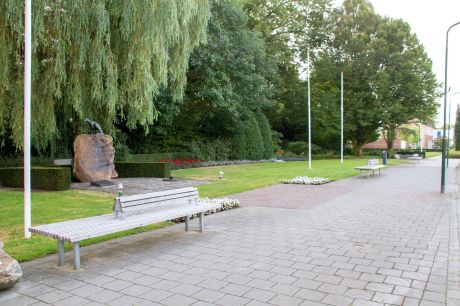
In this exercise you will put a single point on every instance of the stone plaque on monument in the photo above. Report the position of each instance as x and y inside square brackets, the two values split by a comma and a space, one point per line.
[94, 157]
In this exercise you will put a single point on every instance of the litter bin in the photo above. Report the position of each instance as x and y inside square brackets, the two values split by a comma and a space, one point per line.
[384, 157]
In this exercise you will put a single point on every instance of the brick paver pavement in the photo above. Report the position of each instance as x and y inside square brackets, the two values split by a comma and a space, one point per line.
[386, 240]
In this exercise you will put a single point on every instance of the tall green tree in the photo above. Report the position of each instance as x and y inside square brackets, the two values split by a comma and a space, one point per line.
[102, 59]
[352, 50]
[405, 84]
[289, 29]
[388, 76]
[229, 83]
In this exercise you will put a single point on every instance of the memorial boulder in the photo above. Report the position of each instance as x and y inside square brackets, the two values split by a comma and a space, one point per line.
[94, 157]
[10, 271]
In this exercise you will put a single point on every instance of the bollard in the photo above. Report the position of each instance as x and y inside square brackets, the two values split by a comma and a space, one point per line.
[120, 189]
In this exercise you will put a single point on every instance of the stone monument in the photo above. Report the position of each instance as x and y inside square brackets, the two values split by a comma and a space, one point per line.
[10, 271]
[94, 156]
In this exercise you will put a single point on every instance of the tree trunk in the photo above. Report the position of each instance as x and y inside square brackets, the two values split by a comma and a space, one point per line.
[390, 136]
[357, 148]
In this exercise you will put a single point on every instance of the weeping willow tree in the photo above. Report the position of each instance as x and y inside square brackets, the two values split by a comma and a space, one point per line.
[99, 59]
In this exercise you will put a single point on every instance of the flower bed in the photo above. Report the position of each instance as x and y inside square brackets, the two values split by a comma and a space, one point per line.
[305, 180]
[181, 163]
[225, 203]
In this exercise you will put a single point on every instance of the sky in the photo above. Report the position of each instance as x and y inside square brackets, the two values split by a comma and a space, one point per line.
[430, 20]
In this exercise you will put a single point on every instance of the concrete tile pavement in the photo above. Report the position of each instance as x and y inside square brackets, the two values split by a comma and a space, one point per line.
[389, 240]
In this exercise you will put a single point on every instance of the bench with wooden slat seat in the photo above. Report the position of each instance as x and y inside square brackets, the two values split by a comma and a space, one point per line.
[412, 157]
[129, 212]
[372, 166]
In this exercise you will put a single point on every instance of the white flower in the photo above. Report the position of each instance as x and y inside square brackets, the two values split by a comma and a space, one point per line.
[305, 180]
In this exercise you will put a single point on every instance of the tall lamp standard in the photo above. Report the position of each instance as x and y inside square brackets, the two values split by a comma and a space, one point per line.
[443, 167]
[448, 132]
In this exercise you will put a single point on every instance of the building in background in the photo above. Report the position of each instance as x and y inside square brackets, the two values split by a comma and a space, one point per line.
[437, 137]
[409, 136]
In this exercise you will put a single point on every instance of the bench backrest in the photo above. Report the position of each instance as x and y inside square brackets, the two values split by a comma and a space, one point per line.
[149, 201]
[372, 162]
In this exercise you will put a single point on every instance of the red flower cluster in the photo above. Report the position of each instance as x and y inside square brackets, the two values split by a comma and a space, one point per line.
[179, 162]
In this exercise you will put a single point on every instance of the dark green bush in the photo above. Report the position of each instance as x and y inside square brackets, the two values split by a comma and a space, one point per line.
[253, 139]
[211, 149]
[239, 143]
[254, 143]
[18, 161]
[297, 147]
[157, 157]
[266, 134]
[454, 154]
[410, 152]
[301, 147]
[457, 131]
[143, 169]
[46, 178]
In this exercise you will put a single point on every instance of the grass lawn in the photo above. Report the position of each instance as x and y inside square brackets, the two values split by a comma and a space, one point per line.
[453, 153]
[251, 176]
[49, 207]
[433, 154]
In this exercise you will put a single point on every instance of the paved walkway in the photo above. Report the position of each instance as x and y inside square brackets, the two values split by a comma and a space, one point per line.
[386, 240]
[138, 185]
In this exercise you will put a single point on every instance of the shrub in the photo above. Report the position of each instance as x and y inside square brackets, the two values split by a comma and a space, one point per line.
[239, 143]
[254, 143]
[297, 147]
[211, 150]
[156, 157]
[46, 178]
[410, 152]
[457, 131]
[143, 169]
[266, 135]
[454, 154]
[250, 142]
[301, 148]
[18, 161]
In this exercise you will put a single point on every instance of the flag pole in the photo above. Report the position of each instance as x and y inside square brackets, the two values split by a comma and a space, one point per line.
[341, 117]
[309, 113]
[27, 114]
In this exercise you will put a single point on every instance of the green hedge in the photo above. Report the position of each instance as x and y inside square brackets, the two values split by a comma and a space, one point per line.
[454, 154]
[156, 157]
[143, 169]
[266, 134]
[253, 139]
[411, 152]
[46, 178]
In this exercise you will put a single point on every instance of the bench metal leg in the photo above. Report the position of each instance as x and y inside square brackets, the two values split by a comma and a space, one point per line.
[61, 254]
[201, 222]
[76, 255]
[187, 218]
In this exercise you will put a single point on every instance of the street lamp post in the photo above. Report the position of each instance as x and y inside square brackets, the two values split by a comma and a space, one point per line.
[443, 167]
[448, 132]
